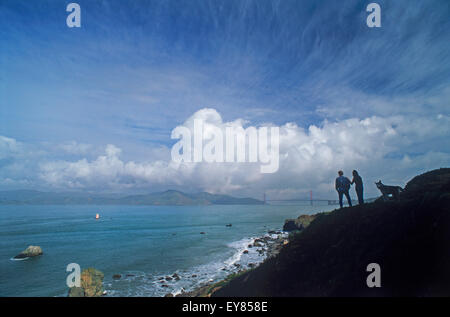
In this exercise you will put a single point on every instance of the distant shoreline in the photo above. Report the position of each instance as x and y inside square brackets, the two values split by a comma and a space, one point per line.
[166, 198]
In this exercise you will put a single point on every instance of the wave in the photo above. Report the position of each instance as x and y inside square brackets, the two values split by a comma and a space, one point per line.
[21, 259]
[136, 283]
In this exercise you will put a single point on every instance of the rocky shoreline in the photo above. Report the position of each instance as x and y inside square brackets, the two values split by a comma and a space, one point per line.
[250, 253]
[268, 246]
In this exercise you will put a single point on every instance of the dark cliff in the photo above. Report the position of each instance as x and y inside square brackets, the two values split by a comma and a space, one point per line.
[408, 238]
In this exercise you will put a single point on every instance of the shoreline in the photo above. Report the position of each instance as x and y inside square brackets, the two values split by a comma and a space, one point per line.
[269, 245]
[250, 253]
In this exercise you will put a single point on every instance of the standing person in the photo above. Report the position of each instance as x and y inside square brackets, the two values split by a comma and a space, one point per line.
[342, 186]
[357, 180]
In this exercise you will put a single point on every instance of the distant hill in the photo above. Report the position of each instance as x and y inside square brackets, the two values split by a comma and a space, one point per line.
[408, 238]
[166, 198]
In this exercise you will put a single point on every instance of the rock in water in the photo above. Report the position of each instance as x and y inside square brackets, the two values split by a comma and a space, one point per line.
[91, 284]
[29, 252]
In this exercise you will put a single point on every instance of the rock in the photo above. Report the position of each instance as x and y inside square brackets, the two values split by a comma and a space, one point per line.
[168, 278]
[304, 221]
[76, 292]
[245, 252]
[289, 225]
[228, 225]
[130, 275]
[91, 284]
[249, 246]
[436, 181]
[202, 232]
[298, 224]
[194, 275]
[251, 264]
[215, 289]
[237, 265]
[117, 276]
[164, 285]
[29, 252]
[176, 276]
[168, 295]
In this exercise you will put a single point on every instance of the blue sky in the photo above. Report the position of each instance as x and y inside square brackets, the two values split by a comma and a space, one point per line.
[137, 69]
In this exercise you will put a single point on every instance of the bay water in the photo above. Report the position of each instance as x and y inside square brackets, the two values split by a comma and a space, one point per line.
[141, 243]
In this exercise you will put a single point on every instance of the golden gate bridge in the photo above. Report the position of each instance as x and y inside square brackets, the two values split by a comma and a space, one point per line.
[311, 200]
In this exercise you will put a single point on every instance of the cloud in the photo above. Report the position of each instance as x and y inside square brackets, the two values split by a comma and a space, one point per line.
[8, 147]
[378, 147]
[18, 163]
[345, 96]
[76, 148]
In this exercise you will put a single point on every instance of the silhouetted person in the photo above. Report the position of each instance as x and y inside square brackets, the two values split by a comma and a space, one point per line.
[357, 180]
[342, 186]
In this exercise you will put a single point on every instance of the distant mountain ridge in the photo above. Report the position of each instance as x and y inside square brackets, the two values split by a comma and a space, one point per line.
[166, 198]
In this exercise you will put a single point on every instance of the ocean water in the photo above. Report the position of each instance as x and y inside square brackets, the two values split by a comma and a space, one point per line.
[142, 243]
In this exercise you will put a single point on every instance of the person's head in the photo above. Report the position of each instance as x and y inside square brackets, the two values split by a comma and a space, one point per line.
[355, 173]
[340, 173]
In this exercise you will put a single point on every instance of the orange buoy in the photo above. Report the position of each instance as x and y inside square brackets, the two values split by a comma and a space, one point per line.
[97, 216]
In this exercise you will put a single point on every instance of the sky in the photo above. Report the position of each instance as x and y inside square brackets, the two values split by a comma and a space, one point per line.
[92, 108]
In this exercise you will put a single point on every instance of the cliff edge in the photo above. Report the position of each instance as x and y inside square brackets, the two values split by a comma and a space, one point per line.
[408, 238]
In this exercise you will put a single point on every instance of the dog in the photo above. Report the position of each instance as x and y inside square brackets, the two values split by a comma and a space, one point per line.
[389, 190]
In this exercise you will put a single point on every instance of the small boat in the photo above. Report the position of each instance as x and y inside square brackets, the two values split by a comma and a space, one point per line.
[97, 216]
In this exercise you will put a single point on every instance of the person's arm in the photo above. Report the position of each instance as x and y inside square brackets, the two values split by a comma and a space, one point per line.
[335, 184]
[353, 181]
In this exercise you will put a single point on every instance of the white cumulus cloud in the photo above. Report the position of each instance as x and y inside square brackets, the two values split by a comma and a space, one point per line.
[378, 147]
